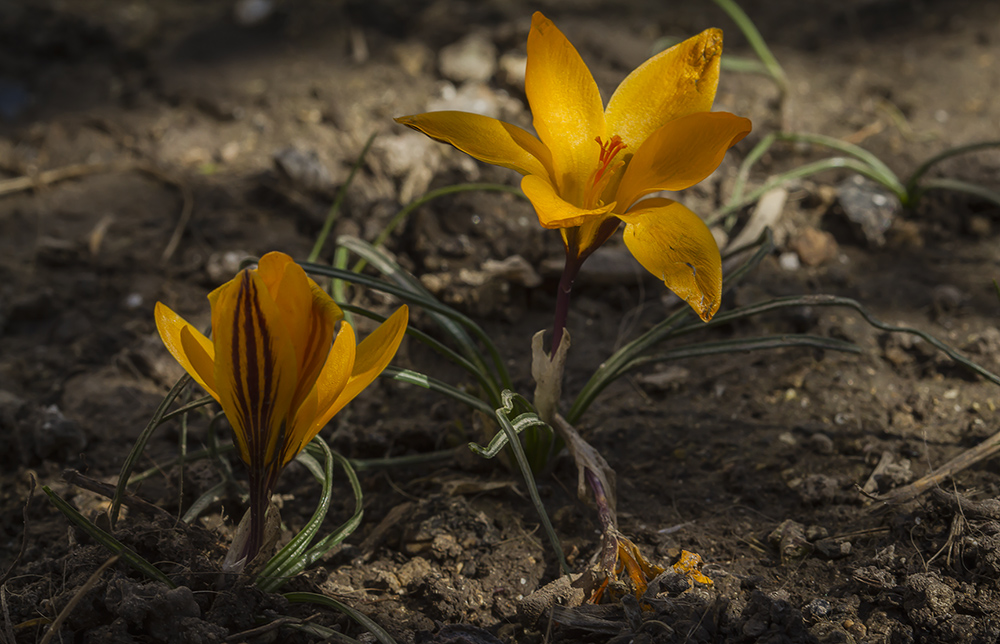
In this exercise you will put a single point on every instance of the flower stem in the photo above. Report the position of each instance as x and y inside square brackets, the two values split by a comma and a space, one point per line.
[259, 498]
[604, 513]
[570, 272]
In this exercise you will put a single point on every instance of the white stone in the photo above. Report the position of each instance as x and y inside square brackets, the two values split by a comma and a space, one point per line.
[473, 58]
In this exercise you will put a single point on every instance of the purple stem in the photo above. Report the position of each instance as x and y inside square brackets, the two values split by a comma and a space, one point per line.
[570, 272]
[600, 499]
[575, 256]
[261, 484]
[609, 532]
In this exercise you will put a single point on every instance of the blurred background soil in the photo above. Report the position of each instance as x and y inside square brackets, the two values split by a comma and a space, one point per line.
[158, 144]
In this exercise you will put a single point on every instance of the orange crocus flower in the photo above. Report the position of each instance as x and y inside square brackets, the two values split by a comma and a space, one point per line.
[271, 366]
[590, 166]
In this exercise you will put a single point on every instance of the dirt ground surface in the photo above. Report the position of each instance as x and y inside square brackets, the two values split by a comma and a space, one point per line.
[164, 142]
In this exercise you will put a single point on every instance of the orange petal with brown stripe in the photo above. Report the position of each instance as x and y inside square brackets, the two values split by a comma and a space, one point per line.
[255, 367]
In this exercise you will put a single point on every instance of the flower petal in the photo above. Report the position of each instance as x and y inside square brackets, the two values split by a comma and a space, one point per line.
[308, 313]
[553, 211]
[188, 346]
[674, 244]
[313, 414]
[566, 106]
[374, 354]
[680, 154]
[484, 138]
[676, 82]
[255, 369]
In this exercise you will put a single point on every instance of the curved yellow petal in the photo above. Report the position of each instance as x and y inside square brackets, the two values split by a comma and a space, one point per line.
[188, 346]
[271, 269]
[374, 354]
[484, 138]
[584, 239]
[255, 371]
[676, 82]
[555, 212]
[674, 244]
[308, 313]
[566, 106]
[680, 154]
[313, 414]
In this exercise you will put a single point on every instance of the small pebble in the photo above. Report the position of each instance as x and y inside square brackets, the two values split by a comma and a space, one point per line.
[473, 58]
[979, 226]
[814, 247]
[789, 261]
[818, 608]
[868, 208]
[413, 57]
[512, 68]
[833, 548]
[473, 96]
[222, 266]
[303, 168]
[248, 13]
[821, 444]
[229, 151]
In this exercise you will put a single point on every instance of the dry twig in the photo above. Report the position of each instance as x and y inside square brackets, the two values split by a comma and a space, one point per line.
[969, 457]
[81, 591]
[24, 535]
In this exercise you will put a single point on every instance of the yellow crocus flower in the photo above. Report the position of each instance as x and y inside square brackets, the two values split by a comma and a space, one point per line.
[271, 366]
[589, 166]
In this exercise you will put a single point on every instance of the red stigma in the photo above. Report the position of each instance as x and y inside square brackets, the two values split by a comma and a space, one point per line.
[609, 151]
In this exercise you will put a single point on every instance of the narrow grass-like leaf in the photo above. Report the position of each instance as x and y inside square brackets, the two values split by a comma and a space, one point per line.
[327, 634]
[196, 455]
[359, 464]
[113, 545]
[757, 43]
[140, 444]
[659, 333]
[300, 542]
[809, 169]
[833, 300]
[489, 387]
[334, 211]
[215, 452]
[743, 345]
[411, 460]
[955, 185]
[292, 565]
[510, 428]
[400, 216]
[911, 183]
[191, 406]
[388, 267]
[212, 495]
[872, 167]
[322, 600]
[431, 305]
[181, 462]
[421, 380]
[888, 177]
[338, 288]
[453, 322]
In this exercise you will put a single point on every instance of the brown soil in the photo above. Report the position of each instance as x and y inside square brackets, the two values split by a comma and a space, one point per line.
[751, 460]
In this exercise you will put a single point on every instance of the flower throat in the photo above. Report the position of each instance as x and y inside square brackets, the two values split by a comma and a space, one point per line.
[605, 170]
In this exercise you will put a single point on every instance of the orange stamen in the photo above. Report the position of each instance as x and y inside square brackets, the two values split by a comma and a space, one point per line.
[608, 152]
[606, 166]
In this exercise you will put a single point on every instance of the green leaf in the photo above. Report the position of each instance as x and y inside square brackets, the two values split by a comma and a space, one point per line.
[113, 545]
[322, 600]
[140, 445]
